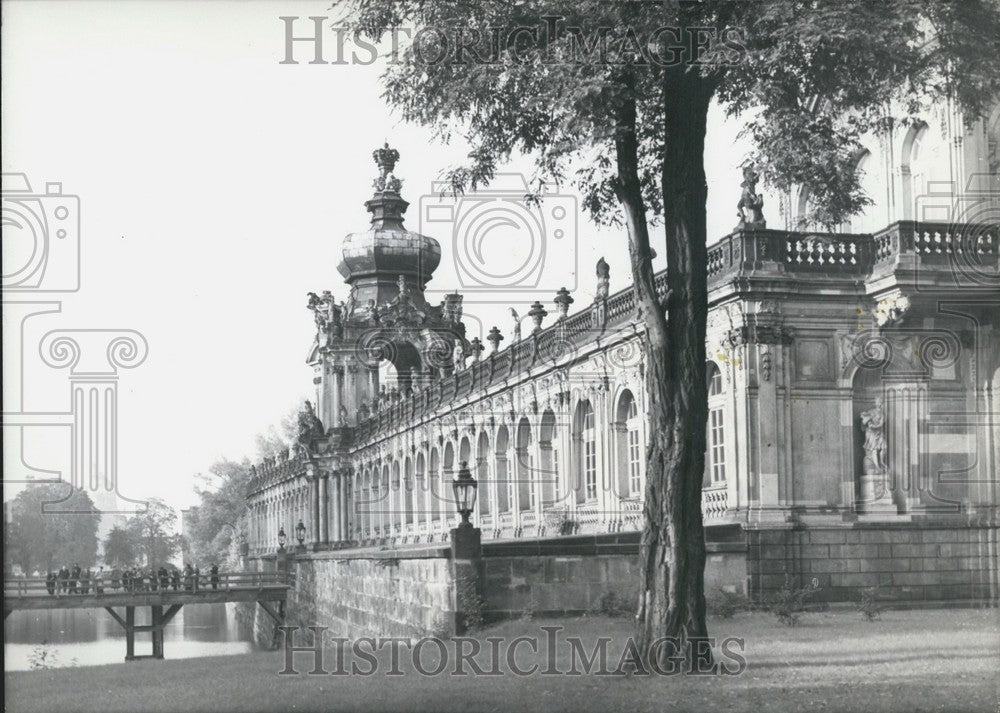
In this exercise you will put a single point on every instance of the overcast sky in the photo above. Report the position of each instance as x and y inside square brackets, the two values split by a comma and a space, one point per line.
[215, 187]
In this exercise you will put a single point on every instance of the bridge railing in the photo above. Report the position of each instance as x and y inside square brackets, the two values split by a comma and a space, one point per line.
[205, 583]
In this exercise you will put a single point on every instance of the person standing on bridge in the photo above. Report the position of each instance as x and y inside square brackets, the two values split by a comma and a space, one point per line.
[74, 578]
[197, 577]
[63, 579]
[50, 582]
[175, 579]
[85, 581]
[215, 576]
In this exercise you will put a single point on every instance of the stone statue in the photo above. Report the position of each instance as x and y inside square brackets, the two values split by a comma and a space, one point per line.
[873, 423]
[309, 424]
[517, 324]
[603, 279]
[458, 355]
[327, 314]
[749, 209]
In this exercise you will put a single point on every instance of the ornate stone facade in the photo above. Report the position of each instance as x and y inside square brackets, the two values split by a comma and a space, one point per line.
[812, 337]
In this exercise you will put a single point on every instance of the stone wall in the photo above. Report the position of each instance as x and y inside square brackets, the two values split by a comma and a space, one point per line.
[572, 575]
[909, 563]
[411, 592]
[401, 594]
[405, 593]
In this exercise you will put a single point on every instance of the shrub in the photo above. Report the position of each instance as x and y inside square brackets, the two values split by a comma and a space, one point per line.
[789, 602]
[470, 605]
[871, 603]
[725, 604]
[610, 604]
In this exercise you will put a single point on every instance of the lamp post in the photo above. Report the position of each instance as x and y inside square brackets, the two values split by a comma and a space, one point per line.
[465, 539]
[466, 547]
[300, 535]
[465, 486]
[282, 537]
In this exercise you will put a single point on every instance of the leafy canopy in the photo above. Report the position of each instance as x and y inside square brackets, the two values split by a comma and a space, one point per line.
[809, 78]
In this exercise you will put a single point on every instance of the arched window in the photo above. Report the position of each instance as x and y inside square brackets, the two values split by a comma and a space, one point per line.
[483, 473]
[420, 500]
[526, 486]
[503, 476]
[586, 434]
[715, 460]
[437, 493]
[634, 451]
[628, 446]
[549, 470]
[408, 491]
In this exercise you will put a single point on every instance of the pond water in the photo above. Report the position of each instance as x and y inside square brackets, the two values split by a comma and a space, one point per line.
[90, 637]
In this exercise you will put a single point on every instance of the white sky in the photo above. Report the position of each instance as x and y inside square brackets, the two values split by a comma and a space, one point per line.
[215, 187]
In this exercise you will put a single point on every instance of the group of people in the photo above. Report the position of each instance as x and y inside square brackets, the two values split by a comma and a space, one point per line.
[133, 579]
[73, 580]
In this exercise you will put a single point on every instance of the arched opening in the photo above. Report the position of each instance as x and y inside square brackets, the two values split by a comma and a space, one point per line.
[384, 502]
[503, 477]
[395, 496]
[548, 473]
[447, 475]
[628, 446]
[465, 451]
[408, 487]
[482, 467]
[873, 217]
[420, 489]
[434, 480]
[399, 362]
[715, 438]
[526, 488]
[585, 440]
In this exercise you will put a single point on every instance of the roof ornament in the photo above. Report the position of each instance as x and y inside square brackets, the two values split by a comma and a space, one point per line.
[385, 159]
[749, 209]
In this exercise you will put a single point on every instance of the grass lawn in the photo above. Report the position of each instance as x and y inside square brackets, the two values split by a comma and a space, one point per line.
[928, 660]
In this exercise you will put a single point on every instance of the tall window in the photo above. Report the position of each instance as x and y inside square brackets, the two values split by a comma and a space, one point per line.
[716, 436]
[634, 455]
[589, 453]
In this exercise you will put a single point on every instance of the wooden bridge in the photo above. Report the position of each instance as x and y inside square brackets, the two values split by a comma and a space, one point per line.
[268, 589]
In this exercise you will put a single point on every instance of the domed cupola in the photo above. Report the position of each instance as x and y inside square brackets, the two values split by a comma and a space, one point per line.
[374, 260]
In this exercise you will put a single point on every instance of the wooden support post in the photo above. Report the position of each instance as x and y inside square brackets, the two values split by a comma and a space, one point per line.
[157, 619]
[129, 633]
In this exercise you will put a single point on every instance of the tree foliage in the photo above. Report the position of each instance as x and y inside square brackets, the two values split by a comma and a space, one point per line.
[153, 534]
[52, 525]
[217, 525]
[119, 548]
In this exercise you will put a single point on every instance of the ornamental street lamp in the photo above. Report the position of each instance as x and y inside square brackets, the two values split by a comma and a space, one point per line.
[300, 533]
[464, 487]
[466, 542]
[282, 537]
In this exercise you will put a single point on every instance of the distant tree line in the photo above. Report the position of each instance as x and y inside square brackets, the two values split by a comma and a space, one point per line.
[50, 525]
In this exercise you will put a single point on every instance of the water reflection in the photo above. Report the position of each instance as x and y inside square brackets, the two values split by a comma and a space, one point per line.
[92, 637]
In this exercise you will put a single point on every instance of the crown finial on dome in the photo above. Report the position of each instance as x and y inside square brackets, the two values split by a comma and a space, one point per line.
[385, 159]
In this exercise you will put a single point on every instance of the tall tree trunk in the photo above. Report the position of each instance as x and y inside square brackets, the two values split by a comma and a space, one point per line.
[672, 550]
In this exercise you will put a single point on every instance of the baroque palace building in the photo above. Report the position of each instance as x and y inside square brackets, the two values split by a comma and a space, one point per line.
[854, 392]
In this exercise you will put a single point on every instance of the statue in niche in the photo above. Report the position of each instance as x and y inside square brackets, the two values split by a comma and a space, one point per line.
[873, 424]
[310, 426]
